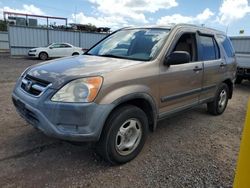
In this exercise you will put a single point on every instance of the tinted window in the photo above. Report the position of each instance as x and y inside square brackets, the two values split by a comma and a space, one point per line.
[56, 46]
[66, 46]
[227, 45]
[210, 50]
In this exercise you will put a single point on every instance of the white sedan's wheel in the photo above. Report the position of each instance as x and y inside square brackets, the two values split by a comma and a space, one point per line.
[43, 56]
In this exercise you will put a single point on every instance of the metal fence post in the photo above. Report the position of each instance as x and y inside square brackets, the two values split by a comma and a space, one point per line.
[79, 38]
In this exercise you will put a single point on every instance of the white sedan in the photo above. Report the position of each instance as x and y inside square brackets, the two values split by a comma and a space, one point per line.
[55, 50]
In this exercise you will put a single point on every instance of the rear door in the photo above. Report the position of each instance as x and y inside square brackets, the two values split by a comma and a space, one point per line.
[180, 85]
[56, 50]
[214, 65]
[67, 50]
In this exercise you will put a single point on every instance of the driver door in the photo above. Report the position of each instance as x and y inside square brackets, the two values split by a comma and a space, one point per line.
[180, 85]
[56, 50]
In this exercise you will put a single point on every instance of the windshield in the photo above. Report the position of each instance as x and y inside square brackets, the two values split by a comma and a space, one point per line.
[136, 44]
[47, 45]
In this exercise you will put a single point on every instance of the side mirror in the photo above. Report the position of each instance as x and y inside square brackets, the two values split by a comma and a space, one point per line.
[177, 57]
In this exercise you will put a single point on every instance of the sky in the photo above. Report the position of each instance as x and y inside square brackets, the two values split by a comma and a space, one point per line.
[229, 16]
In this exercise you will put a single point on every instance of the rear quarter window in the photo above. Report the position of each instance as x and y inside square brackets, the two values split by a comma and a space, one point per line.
[227, 45]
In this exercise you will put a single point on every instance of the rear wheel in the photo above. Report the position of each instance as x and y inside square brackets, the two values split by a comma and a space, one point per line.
[124, 135]
[43, 56]
[219, 104]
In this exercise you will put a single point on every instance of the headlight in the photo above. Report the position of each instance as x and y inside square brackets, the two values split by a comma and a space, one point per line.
[32, 50]
[80, 90]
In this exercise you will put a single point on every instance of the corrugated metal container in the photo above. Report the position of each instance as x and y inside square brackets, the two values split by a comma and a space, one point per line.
[24, 38]
[241, 44]
[89, 39]
[64, 36]
[4, 41]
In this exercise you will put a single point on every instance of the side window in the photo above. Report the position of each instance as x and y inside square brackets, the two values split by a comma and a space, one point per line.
[227, 45]
[210, 49]
[56, 46]
[187, 42]
[65, 46]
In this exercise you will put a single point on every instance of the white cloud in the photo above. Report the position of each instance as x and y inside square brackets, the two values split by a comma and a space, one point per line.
[232, 10]
[109, 21]
[178, 18]
[28, 9]
[132, 9]
[205, 15]
[118, 13]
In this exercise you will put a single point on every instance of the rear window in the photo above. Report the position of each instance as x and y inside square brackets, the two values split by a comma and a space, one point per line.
[227, 45]
[210, 50]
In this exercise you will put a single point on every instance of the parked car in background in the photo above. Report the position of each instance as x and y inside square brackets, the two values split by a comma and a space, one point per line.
[55, 50]
[121, 87]
[242, 50]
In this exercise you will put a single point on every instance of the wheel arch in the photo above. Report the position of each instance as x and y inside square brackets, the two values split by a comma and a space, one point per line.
[141, 100]
[75, 53]
[230, 85]
[43, 52]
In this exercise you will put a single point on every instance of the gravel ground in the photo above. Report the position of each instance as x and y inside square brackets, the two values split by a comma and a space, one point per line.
[192, 149]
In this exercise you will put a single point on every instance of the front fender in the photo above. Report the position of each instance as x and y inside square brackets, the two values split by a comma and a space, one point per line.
[128, 93]
[118, 93]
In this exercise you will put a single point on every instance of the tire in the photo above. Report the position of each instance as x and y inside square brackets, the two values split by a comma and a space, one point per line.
[43, 56]
[238, 80]
[75, 53]
[124, 135]
[218, 106]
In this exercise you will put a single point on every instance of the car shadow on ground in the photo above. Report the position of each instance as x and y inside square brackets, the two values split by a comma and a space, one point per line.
[34, 143]
[244, 86]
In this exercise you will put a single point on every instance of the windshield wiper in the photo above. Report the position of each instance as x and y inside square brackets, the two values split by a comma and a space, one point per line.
[111, 55]
[86, 53]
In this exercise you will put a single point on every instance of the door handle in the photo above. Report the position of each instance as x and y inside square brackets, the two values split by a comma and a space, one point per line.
[196, 69]
[223, 65]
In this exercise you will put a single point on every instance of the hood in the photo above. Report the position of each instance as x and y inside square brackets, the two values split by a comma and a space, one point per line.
[62, 70]
[33, 49]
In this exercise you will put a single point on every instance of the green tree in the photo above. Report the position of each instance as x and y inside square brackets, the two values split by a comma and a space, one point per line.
[3, 25]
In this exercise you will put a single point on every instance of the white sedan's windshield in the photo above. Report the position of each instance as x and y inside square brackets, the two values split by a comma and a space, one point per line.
[137, 44]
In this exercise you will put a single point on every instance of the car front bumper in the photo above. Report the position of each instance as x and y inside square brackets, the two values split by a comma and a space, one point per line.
[32, 54]
[67, 121]
[243, 72]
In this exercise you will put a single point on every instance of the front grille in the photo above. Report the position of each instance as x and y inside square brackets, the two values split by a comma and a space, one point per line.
[34, 86]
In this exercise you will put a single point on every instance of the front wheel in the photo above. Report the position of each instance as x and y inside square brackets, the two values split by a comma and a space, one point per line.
[219, 104]
[43, 56]
[124, 135]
